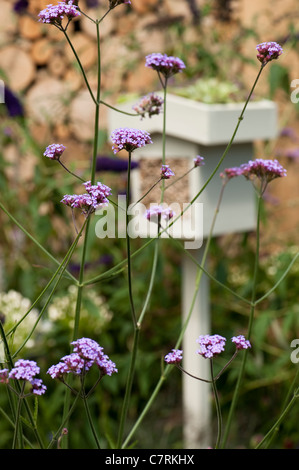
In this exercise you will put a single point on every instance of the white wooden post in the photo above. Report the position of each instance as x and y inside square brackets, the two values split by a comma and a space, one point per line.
[196, 394]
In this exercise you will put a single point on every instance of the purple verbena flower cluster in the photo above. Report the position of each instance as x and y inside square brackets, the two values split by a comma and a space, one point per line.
[241, 342]
[54, 14]
[174, 357]
[166, 172]
[210, 345]
[198, 161]
[262, 170]
[268, 51]
[87, 353]
[150, 104]
[96, 196]
[164, 64]
[159, 212]
[129, 139]
[54, 151]
[24, 370]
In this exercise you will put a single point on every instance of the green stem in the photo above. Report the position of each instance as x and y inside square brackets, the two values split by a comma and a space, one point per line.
[17, 421]
[164, 136]
[280, 419]
[81, 67]
[128, 387]
[93, 430]
[133, 314]
[250, 323]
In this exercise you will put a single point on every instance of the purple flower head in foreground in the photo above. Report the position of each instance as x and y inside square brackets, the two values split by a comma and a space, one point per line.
[150, 104]
[210, 346]
[54, 151]
[96, 196]
[166, 172]
[129, 139]
[158, 212]
[241, 342]
[198, 161]
[268, 51]
[263, 170]
[115, 3]
[87, 353]
[164, 64]
[174, 357]
[54, 14]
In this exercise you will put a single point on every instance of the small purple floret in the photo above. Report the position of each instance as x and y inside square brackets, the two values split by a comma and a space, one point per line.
[54, 14]
[166, 172]
[241, 342]
[54, 151]
[129, 139]
[210, 346]
[164, 64]
[174, 357]
[268, 51]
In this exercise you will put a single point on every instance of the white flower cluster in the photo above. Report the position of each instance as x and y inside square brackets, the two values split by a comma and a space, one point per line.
[13, 307]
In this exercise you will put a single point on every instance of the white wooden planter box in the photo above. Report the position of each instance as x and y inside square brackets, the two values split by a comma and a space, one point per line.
[192, 129]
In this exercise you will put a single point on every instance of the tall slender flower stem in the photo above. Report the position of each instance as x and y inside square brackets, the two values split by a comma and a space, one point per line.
[250, 323]
[18, 416]
[164, 84]
[92, 179]
[280, 419]
[128, 243]
[168, 368]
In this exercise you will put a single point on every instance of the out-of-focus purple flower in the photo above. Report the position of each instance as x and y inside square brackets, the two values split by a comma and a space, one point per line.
[164, 64]
[12, 103]
[289, 132]
[174, 357]
[4, 376]
[292, 153]
[20, 6]
[230, 173]
[54, 151]
[210, 346]
[129, 139]
[150, 105]
[87, 353]
[92, 3]
[158, 212]
[166, 172]
[198, 161]
[115, 165]
[115, 3]
[24, 370]
[241, 342]
[96, 196]
[54, 14]
[268, 51]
